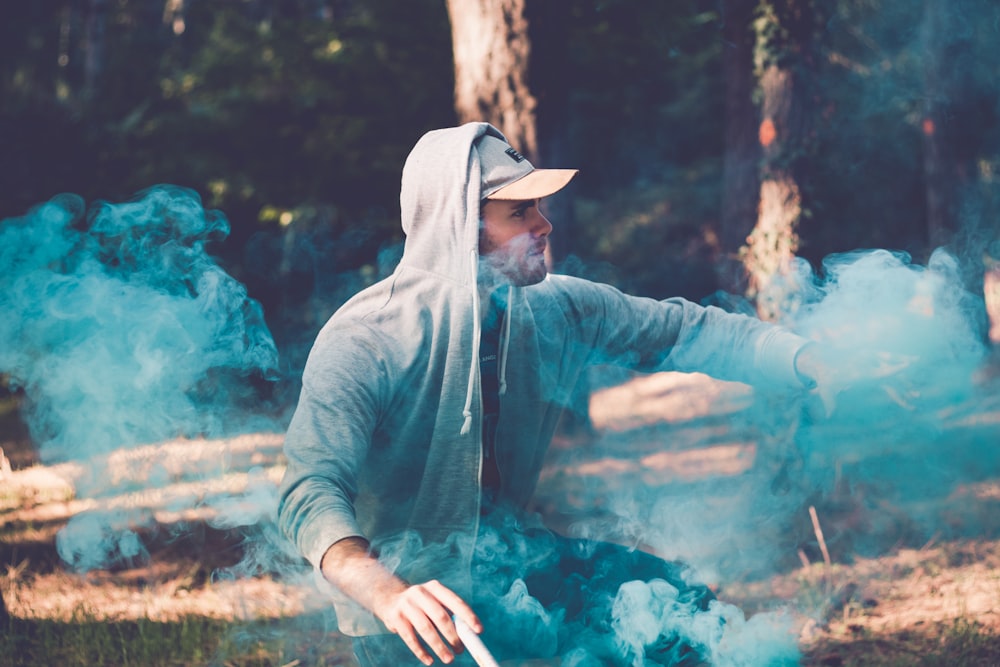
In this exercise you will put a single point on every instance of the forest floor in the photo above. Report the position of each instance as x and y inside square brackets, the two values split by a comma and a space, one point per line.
[937, 602]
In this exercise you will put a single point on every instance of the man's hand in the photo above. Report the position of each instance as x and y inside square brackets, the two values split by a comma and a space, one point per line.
[421, 614]
[831, 371]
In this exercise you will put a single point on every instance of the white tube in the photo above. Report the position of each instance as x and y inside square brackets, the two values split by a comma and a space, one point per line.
[474, 645]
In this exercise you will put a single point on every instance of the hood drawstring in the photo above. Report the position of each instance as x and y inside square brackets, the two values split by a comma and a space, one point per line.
[506, 341]
[477, 327]
[477, 334]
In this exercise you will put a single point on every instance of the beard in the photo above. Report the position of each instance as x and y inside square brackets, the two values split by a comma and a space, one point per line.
[519, 262]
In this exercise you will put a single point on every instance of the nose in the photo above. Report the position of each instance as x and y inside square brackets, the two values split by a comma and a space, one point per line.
[541, 227]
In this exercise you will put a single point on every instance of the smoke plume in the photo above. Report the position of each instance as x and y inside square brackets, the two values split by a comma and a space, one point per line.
[122, 330]
[883, 449]
[120, 326]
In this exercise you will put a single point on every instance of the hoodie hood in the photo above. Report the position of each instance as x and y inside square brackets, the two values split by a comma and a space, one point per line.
[439, 202]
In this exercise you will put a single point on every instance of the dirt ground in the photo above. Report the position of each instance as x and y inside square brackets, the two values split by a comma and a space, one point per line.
[901, 604]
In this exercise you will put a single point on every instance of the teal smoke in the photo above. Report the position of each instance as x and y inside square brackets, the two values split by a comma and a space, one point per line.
[120, 327]
[901, 428]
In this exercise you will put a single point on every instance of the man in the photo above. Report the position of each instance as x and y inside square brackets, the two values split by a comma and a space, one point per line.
[429, 400]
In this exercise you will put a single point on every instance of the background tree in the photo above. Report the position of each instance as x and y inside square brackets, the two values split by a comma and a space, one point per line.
[294, 116]
[955, 171]
[492, 51]
[95, 21]
[786, 63]
[494, 61]
[550, 82]
[949, 151]
[741, 172]
[645, 127]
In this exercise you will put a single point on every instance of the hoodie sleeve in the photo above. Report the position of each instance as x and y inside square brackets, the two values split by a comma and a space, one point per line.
[328, 440]
[675, 334]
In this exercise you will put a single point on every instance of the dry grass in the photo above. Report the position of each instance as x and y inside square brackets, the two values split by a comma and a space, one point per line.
[930, 605]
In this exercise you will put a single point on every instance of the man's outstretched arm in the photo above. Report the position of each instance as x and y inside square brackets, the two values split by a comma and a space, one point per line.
[415, 612]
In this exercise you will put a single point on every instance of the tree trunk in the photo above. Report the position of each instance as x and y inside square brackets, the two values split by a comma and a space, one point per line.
[786, 60]
[741, 170]
[94, 28]
[991, 297]
[173, 15]
[493, 64]
[491, 45]
[549, 38]
[773, 242]
[951, 127]
[942, 167]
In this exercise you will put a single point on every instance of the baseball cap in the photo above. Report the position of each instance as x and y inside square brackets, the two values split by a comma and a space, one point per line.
[506, 174]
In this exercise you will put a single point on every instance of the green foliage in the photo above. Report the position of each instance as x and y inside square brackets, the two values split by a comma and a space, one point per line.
[868, 183]
[191, 640]
[294, 117]
[252, 104]
[298, 111]
[646, 125]
[646, 89]
[300, 108]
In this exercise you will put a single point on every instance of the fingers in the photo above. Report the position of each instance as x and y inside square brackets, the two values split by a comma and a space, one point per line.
[413, 643]
[412, 621]
[456, 605]
[421, 616]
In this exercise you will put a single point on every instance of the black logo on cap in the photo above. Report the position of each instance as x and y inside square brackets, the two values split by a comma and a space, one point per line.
[514, 155]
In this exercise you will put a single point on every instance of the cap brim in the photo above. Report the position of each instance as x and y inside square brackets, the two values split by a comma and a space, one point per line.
[536, 184]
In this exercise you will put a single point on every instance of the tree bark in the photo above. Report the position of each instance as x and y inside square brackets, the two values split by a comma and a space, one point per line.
[991, 298]
[773, 242]
[951, 126]
[786, 61]
[943, 168]
[173, 15]
[493, 65]
[492, 49]
[741, 169]
[94, 29]
[549, 37]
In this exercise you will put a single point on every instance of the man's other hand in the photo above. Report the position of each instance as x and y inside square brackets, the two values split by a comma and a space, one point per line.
[829, 371]
[421, 614]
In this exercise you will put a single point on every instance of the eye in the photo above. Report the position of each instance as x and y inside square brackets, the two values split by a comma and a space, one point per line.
[521, 211]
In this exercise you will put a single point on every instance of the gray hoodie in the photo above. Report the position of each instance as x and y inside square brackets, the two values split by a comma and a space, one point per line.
[387, 440]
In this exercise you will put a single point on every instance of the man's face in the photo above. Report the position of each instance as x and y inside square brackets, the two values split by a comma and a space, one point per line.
[512, 241]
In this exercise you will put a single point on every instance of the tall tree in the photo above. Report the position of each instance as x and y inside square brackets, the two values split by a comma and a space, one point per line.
[548, 32]
[741, 168]
[492, 49]
[947, 158]
[95, 26]
[954, 128]
[991, 297]
[787, 37]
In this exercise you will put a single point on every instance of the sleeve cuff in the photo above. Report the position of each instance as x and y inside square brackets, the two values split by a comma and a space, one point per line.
[776, 355]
